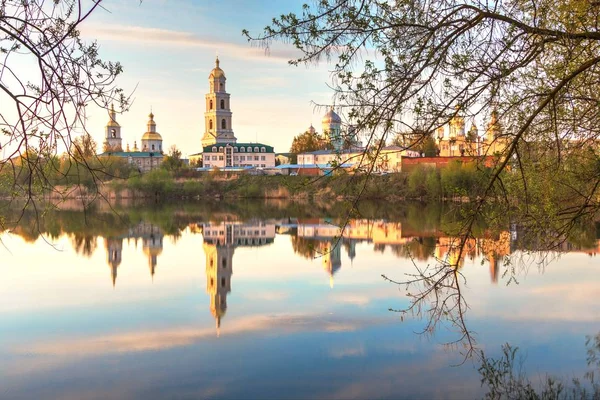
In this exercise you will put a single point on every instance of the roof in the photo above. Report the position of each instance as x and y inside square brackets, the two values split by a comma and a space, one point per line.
[324, 152]
[151, 136]
[217, 72]
[268, 149]
[320, 166]
[331, 117]
[133, 154]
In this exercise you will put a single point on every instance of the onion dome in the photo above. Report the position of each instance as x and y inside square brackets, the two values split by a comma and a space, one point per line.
[311, 130]
[331, 118]
[151, 134]
[216, 71]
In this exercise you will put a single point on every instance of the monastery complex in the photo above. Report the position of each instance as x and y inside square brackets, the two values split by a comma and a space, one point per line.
[221, 149]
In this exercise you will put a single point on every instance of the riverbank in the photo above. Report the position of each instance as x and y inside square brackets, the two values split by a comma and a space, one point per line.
[461, 182]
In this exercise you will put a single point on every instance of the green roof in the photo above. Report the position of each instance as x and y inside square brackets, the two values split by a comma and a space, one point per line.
[268, 149]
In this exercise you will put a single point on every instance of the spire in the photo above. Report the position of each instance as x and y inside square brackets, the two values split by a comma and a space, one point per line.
[217, 62]
[128, 147]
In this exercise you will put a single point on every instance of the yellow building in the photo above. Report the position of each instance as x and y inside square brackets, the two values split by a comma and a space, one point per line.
[453, 141]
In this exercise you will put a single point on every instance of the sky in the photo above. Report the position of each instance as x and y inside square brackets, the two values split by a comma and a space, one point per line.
[168, 49]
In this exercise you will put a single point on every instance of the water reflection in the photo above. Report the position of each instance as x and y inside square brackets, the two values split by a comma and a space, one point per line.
[220, 242]
[152, 246]
[65, 326]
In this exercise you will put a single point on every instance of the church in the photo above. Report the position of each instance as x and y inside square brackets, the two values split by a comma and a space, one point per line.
[220, 148]
[148, 158]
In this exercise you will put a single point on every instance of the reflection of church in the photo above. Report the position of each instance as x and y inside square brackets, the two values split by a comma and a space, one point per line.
[152, 245]
[220, 242]
[381, 233]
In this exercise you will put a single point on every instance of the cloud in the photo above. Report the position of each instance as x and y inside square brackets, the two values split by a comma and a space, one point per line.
[171, 38]
[165, 339]
[354, 299]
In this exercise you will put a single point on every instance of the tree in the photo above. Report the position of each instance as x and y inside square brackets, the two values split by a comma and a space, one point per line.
[83, 147]
[531, 68]
[305, 142]
[173, 161]
[49, 76]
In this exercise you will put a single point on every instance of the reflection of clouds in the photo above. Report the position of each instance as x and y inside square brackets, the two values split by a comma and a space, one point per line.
[343, 352]
[354, 299]
[160, 340]
[271, 295]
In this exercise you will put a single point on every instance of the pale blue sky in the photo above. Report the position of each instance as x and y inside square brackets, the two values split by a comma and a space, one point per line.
[168, 49]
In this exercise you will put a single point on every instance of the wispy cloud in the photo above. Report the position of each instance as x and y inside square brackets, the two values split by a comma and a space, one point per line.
[172, 38]
[164, 339]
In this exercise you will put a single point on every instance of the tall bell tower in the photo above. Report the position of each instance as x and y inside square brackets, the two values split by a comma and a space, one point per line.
[217, 116]
[112, 133]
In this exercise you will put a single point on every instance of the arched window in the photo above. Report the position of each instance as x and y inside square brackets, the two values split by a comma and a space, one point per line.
[223, 124]
[220, 149]
[249, 149]
[214, 149]
[243, 149]
[210, 124]
[235, 149]
[222, 104]
[152, 147]
[256, 149]
[211, 105]
[263, 150]
[222, 282]
[113, 133]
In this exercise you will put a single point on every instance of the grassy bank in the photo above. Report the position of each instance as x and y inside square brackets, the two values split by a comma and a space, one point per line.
[454, 181]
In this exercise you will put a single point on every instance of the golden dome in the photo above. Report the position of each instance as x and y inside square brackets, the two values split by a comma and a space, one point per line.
[331, 117]
[151, 136]
[216, 71]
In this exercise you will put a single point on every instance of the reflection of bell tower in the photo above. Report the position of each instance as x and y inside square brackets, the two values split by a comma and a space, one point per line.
[219, 268]
[153, 245]
[331, 254]
[114, 250]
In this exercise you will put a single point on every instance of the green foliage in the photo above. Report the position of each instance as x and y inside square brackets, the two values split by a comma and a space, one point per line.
[173, 161]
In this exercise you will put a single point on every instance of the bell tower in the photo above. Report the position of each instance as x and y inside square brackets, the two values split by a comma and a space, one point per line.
[112, 133]
[217, 116]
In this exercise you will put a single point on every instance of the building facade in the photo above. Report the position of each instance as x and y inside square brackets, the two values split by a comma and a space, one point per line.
[151, 154]
[238, 155]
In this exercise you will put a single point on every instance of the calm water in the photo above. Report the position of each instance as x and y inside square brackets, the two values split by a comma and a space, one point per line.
[259, 302]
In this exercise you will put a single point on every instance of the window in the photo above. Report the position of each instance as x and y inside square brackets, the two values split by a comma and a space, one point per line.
[263, 165]
[242, 158]
[222, 104]
[211, 105]
[214, 149]
[214, 158]
[256, 149]
[242, 149]
[249, 149]
[220, 149]
[113, 133]
[224, 262]
[263, 150]
[210, 124]
[235, 149]
[262, 158]
[223, 124]
[152, 147]
[207, 165]
[255, 158]
[222, 282]
[220, 158]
